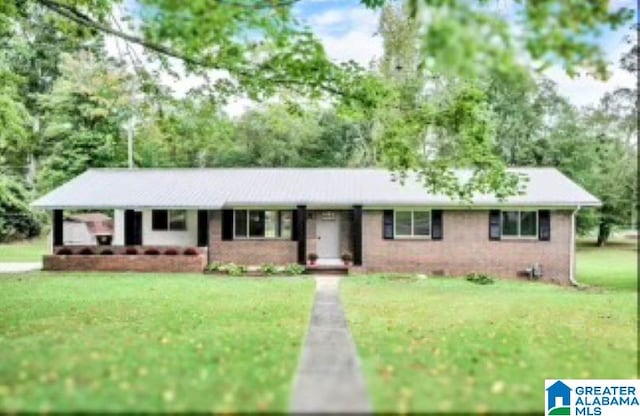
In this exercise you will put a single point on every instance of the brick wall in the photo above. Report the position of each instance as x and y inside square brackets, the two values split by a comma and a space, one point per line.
[122, 263]
[466, 248]
[248, 251]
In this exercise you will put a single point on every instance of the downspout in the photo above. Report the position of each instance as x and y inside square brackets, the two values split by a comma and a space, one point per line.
[572, 249]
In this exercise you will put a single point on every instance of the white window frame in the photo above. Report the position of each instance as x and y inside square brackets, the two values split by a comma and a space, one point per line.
[412, 235]
[168, 211]
[248, 235]
[519, 236]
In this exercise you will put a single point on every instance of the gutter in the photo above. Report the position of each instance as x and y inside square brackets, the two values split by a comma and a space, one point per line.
[572, 249]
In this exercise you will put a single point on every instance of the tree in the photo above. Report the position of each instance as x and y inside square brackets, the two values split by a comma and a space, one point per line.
[16, 219]
[265, 50]
[85, 113]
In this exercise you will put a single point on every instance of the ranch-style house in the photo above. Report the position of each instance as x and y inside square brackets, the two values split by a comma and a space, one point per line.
[182, 219]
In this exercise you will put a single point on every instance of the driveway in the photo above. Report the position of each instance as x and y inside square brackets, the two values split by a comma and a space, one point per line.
[19, 267]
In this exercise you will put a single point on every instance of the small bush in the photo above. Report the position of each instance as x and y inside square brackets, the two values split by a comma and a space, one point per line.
[480, 279]
[234, 269]
[171, 252]
[347, 257]
[64, 251]
[312, 257]
[86, 251]
[268, 268]
[106, 252]
[294, 269]
[191, 252]
[131, 251]
[216, 266]
[152, 252]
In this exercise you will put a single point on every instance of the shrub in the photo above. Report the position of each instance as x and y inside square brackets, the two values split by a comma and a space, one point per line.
[64, 251]
[171, 252]
[294, 269]
[480, 279]
[347, 257]
[131, 251]
[106, 252]
[216, 266]
[234, 269]
[152, 252]
[86, 251]
[17, 220]
[268, 268]
[191, 252]
[312, 257]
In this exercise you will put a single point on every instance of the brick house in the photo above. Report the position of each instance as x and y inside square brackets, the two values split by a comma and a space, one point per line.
[260, 215]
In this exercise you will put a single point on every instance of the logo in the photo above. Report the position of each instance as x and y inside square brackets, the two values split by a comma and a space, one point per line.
[558, 399]
[592, 397]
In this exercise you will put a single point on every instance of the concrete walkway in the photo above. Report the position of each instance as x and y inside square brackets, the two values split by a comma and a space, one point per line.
[329, 377]
[19, 267]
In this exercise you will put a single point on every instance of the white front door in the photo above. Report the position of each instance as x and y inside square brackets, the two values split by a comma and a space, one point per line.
[328, 234]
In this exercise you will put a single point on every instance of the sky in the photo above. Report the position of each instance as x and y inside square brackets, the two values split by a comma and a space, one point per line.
[348, 32]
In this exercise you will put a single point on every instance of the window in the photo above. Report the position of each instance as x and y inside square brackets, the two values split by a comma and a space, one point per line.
[412, 223]
[168, 220]
[520, 224]
[262, 224]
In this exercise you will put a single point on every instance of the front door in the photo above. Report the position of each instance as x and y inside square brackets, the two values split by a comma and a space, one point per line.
[328, 234]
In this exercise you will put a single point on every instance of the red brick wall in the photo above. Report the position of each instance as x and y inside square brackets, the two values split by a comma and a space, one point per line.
[121, 263]
[466, 248]
[248, 251]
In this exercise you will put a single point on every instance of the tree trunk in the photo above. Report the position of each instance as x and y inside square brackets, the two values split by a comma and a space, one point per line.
[604, 230]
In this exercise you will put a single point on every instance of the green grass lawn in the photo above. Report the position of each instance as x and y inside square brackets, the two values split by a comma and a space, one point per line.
[149, 342]
[445, 344]
[24, 251]
[614, 266]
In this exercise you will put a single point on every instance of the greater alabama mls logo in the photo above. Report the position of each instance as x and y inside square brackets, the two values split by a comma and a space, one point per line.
[592, 397]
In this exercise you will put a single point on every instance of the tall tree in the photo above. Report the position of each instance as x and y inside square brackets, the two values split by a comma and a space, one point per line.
[85, 113]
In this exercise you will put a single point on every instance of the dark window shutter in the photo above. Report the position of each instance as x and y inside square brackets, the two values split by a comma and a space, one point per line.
[387, 224]
[544, 225]
[203, 228]
[494, 225]
[436, 224]
[294, 225]
[227, 224]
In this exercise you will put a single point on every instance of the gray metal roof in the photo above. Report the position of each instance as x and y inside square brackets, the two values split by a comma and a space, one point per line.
[320, 187]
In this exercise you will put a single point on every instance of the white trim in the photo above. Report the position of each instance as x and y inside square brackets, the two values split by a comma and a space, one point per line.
[248, 235]
[411, 236]
[519, 235]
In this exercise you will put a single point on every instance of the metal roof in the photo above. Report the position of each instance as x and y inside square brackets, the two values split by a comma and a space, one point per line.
[321, 187]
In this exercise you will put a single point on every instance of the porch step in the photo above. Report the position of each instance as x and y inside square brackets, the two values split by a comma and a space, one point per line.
[333, 269]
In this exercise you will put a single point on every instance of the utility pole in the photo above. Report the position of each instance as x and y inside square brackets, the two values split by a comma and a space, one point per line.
[130, 126]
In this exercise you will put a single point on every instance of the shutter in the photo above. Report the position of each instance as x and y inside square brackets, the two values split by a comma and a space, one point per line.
[203, 228]
[294, 225]
[494, 225]
[387, 224]
[227, 224]
[544, 225]
[357, 235]
[436, 224]
[58, 227]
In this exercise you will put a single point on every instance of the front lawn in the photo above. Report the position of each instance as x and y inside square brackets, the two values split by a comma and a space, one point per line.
[149, 342]
[445, 344]
[24, 251]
